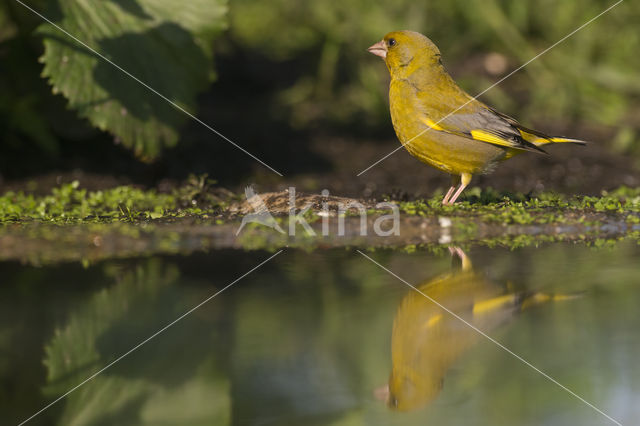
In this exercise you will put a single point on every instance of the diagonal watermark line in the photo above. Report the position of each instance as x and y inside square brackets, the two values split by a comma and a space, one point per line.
[91, 377]
[404, 144]
[175, 105]
[500, 345]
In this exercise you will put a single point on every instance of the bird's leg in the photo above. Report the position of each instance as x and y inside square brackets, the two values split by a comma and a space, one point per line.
[445, 200]
[466, 263]
[465, 178]
[455, 180]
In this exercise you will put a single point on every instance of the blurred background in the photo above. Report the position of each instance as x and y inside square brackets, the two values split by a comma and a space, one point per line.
[292, 83]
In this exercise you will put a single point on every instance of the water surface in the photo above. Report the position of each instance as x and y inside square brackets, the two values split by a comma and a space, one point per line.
[309, 338]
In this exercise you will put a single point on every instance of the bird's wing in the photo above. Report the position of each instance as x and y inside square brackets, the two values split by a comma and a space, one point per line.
[485, 125]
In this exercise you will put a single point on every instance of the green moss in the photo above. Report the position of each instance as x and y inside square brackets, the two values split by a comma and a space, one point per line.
[71, 204]
[488, 206]
[633, 219]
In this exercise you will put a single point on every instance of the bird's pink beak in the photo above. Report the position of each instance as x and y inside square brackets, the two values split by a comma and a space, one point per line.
[379, 49]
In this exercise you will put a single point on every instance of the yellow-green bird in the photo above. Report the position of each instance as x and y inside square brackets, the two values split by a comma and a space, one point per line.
[441, 124]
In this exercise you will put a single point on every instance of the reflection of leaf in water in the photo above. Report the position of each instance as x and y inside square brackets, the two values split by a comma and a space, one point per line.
[133, 8]
[165, 44]
[161, 382]
[73, 348]
[118, 401]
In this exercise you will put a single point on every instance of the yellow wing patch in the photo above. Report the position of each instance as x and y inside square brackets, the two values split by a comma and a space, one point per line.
[492, 304]
[534, 139]
[535, 299]
[481, 135]
[433, 321]
[432, 124]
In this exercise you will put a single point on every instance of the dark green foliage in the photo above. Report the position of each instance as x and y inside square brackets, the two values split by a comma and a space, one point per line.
[166, 45]
[588, 81]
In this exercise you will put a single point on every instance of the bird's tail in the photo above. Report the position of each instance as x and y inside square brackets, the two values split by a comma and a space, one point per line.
[532, 299]
[540, 139]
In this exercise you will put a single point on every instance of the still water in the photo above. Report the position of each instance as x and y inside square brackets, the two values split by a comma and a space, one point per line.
[326, 338]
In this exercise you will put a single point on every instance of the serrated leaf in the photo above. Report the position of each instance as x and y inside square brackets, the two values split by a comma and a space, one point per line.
[164, 43]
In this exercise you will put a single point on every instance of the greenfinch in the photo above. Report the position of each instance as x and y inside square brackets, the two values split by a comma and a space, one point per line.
[442, 125]
[427, 340]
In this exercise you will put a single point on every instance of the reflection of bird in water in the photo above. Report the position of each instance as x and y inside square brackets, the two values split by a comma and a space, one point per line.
[427, 340]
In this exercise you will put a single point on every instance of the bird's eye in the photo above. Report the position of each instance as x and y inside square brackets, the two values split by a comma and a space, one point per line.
[391, 42]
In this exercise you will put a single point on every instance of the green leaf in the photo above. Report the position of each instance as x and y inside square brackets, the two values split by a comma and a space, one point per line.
[164, 43]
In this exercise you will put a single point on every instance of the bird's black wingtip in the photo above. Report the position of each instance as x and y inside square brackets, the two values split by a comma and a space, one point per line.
[541, 151]
[535, 148]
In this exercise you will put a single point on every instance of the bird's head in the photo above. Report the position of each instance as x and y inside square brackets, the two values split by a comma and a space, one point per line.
[406, 51]
[410, 389]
